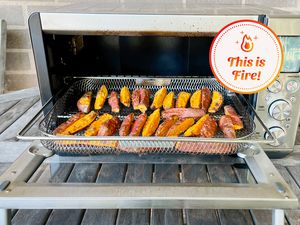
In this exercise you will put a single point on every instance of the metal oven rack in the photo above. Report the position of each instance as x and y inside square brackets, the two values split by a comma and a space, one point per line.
[269, 192]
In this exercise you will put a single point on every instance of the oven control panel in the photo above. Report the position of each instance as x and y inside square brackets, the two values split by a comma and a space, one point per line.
[279, 108]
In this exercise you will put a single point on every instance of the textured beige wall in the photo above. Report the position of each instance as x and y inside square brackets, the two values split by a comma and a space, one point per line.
[20, 69]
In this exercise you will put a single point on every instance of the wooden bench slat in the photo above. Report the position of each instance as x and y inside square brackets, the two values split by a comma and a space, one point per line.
[39, 216]
[10, 116]
[109, 173]
[136, 173]
[82, 173]
[11, 131]
[225, 174]
[198, 174]
[164, 173]
[292, 216]
[6, 106]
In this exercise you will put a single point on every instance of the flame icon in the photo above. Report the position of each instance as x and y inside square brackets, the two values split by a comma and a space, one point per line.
[247, 44]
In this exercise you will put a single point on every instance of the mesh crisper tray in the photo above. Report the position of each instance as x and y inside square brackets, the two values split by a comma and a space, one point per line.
[78, 144]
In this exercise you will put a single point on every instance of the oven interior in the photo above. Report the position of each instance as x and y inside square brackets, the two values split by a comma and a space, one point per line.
[137, 56]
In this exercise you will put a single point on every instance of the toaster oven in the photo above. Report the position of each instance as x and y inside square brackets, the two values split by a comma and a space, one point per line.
[156, 49]
[76, 52]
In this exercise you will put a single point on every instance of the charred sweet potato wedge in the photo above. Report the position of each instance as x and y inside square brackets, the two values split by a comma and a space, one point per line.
[209, 128]
[180, 126]
[168, 102]
[81, 123]
[182, 99]
[144, 100]
[62, 127]
[194, 130]
[195, 101]
[84, 103]
[109, 127]
[216, 103]
[135, 98]
[125, 96]
[205, 98]
[93, 129]
[101, 97]
[151, 123]
[236, 120]
[164, 127]
[159, 98]
[138, 125]
[113, 101]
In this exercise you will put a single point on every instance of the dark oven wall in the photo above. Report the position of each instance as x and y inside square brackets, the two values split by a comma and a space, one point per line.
[69, 55]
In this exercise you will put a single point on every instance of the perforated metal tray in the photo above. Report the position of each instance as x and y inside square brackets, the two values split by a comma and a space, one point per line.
[66, 107]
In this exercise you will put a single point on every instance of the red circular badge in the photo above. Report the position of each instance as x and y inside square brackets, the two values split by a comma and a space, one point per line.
[246, 56]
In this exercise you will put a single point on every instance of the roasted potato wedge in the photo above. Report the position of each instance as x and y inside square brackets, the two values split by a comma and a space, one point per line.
[180, 126]
[109, 127]
[216, 103]
[135, 98]
[81, 123]
[93, 129]
[168, 102]
[84, 103]
[125, 96]
[195, 101]
[138, 125]
[182, 99]
[194, 130]
[164, 127]
[101, 97]
[159, 98]
[151, 123]
[113, 101]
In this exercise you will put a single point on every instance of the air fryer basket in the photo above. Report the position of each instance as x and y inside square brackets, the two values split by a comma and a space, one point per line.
[79, 144]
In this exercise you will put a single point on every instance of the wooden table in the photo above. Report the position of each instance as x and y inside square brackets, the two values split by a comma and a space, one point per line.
[16, 109]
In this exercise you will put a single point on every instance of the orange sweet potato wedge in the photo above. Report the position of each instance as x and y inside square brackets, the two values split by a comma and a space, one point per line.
[101, 97]
[168, 102]
[195, 101]
[216, 103]
[159, 98]
[182, 99]
[180, 126]
[151, 124]
[93, 129]
[84, 103]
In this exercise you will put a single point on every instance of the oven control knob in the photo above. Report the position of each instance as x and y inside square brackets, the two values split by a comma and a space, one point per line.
[280, 109]
[275, 87]
[292, 86]
[277, 133]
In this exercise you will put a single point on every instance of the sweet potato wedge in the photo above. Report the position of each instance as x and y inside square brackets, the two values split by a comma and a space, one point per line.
[195, 101]
[93, 129]
[159, 98]
[135, 98]
[151, 123]
[125, 96]
[227, 127]
[180, 126]
[113, 101]
[126, 125]
[101, 97]
[168, 102]
[62, 127]
[216, 103]
[144, 100]
[164, 127]
[81, 123]
[138, 125]
[209, 128]
[205, 98]
[182, 99]
[84, 103]
[109, 127]
[194, 130]
[236, 120]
